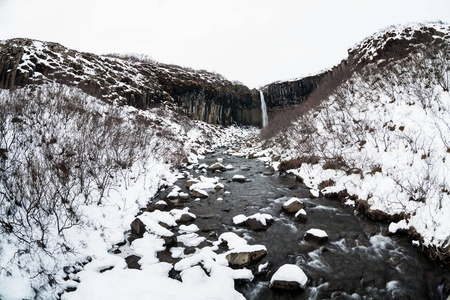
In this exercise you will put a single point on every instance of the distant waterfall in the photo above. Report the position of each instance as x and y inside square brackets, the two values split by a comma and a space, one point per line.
[265, 119]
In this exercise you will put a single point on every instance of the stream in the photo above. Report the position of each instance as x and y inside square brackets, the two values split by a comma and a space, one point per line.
[360, 260]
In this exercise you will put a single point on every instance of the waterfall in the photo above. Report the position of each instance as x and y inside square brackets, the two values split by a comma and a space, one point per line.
[265, 119]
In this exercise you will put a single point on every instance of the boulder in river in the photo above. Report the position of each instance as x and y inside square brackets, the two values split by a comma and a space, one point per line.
[316, 235]
[289, 277]
[217, 167]
[245, 258]
[293, 205]
[198, 193]
[239, 178]
[255, 222]
[301, 215]
[191, 182]
[137, 227]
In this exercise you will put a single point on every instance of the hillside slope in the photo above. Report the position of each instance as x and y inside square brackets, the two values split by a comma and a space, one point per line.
[379, 137]
[125, 79]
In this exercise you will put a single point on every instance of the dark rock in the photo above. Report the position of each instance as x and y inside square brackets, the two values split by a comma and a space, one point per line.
[137, 227]
[239, 178]
[217, 167]
[198, 193]
[133, 262]
[186, 218]
[293, 206]
[242, 259]
[257, 225]
[189, 250]
[117, 251]
[371, 230]
[169, 240]
[315, 238]
[106, 269]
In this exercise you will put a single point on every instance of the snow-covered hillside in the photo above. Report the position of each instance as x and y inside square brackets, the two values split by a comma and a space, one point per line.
[383, 135]
[74, 173]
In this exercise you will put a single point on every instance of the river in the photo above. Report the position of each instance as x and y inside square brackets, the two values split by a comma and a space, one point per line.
[359, 261]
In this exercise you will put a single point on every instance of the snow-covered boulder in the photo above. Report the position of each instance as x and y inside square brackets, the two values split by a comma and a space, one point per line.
[255, 222]
[293, 205]
[241, 254]
[301, 215]
[239, 178]
[289, 277]
[198, 193]
[217, 166]
[191, 182]
[316, 235]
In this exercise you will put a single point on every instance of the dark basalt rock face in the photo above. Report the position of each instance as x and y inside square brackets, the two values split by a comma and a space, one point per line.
[280, 95]
[143, 84]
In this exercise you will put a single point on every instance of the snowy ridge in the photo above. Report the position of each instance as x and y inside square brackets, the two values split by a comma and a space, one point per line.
[125, 79]
[382, 135]
[407, 36]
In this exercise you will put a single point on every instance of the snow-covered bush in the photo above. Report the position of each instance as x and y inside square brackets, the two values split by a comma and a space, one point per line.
[382, 134]
[61, 151]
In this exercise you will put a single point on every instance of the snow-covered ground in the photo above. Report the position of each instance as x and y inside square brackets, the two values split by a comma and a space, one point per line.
[76, 171]
[384, 136]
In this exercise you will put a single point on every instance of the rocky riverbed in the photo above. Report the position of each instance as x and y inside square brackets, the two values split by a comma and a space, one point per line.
[232, 211]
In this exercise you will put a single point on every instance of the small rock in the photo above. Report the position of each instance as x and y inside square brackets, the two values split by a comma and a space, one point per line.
[198, 193]
[133, 262]
[371, 230]
[293, 205]
[191, 182]
[301, 215]
[239, 178]
[185, 218]
[137, 227]
[316, 235]
[241, 259]
[289, 277]
[169, 240]
[217, 167]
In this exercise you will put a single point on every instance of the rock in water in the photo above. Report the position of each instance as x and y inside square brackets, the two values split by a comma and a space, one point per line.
[137, 227]
[301, 215]
[242, 259]
[217, 166]
[289, 277]
[316, 235]
[239, 178]
[198, 193]
[293, 205]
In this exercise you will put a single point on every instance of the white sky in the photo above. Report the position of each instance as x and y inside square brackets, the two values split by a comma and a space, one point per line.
[256, 42]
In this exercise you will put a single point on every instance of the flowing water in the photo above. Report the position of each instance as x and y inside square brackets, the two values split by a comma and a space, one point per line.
[359, 261]
[265, 118]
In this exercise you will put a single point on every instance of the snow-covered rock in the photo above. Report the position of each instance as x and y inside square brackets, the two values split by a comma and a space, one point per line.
[293, 205]
[239, 178]
[301, 215]
[316, 235]
[289, 277]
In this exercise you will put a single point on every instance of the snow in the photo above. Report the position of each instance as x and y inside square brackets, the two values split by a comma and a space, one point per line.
[290, 273]
[300, 212]
[239, 219]
[291, 201]
[238, 177]
[317, 232]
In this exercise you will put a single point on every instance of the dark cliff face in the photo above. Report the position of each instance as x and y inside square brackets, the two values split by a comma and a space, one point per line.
[285, 94]
[201, 95]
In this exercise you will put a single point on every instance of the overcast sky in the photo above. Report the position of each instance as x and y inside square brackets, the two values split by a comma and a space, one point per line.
[256, 42]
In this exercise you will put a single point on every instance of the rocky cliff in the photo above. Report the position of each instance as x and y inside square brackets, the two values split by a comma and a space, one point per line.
[143, 84]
